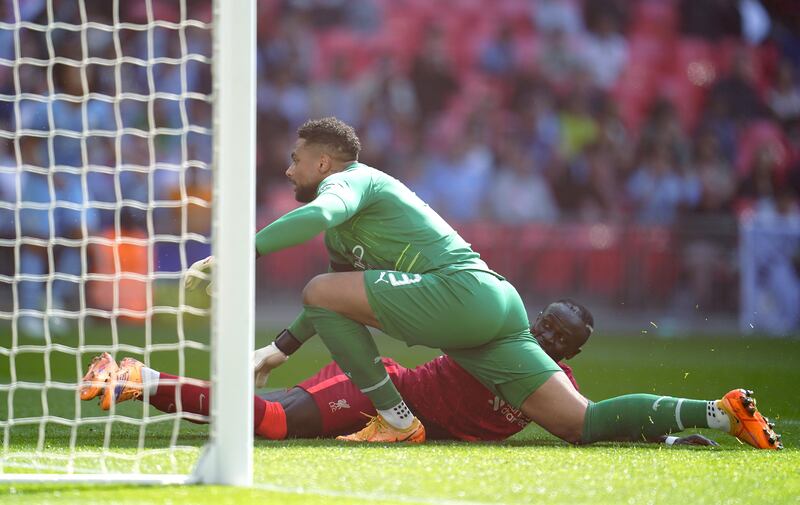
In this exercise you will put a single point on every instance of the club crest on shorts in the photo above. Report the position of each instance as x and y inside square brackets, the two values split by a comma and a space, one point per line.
[338, 405]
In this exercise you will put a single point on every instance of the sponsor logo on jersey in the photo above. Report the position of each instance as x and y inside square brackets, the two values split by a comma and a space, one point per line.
[358, 254]
[512, 415]
[338, 405]
[398, 278]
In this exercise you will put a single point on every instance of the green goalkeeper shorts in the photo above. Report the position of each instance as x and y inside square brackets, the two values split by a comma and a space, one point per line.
[473, 316]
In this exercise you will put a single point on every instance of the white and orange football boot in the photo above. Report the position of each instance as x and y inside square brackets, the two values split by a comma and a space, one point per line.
[94, 382]
[747, 423]
[124, 385]
[378, 430]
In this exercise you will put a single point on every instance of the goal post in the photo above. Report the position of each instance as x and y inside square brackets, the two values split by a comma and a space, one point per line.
[229, 457]
[127, 152]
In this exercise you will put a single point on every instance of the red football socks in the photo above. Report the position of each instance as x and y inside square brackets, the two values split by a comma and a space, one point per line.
[194, 397]
[272, 424]
[269, 418]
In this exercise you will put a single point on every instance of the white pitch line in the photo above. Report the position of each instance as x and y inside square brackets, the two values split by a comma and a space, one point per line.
[369, 496]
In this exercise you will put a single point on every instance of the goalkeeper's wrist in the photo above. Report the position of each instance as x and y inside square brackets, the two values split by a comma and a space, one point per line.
[670, 440]
[287, 343]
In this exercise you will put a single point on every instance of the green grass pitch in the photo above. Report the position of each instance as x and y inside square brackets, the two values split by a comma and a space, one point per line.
[530, 468]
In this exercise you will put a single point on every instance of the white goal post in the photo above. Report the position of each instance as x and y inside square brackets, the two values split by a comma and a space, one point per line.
[230, 453]
[31, 102]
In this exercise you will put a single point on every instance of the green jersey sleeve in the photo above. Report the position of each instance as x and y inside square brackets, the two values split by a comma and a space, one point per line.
[339, 198]
[301, 225]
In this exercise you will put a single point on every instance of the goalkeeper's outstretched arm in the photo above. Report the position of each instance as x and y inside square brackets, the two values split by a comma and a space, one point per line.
[293, 228]
[301, 225]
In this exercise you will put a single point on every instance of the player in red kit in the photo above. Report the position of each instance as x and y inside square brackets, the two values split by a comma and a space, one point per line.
[450, 402]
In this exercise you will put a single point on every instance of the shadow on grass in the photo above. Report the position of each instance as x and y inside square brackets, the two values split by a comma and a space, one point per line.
[521, 444]
[49, 489]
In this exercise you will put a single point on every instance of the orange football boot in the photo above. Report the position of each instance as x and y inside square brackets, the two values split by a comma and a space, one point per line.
[124, 385]
[100, 369]
[747, 423]
[378, 430]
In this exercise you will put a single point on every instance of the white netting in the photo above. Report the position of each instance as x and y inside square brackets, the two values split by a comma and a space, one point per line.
[105, 189]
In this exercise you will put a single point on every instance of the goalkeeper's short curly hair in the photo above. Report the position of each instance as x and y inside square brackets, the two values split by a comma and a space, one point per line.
[335, 135]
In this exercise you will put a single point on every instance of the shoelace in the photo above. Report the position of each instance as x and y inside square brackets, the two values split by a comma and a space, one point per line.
[372, 419]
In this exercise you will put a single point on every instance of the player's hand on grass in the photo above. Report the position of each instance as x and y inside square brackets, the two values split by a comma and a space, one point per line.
[199, 271]
[265, 360]
[696, 439]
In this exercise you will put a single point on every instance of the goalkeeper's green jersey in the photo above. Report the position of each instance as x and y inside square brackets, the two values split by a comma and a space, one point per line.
[372, 221]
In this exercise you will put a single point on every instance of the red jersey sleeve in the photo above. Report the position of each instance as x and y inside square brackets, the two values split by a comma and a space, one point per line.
[568, 370]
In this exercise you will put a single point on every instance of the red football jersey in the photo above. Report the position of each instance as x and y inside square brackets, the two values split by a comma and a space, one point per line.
[451, 403]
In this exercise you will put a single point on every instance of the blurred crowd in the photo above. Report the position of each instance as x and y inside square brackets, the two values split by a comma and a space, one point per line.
[673, 113]
[104, 134]
[676, 115]
[547, 110]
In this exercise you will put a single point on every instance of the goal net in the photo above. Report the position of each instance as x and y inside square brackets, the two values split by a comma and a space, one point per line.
[113, 121]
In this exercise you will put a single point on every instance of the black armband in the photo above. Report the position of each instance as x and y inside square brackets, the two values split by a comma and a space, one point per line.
[287, 343]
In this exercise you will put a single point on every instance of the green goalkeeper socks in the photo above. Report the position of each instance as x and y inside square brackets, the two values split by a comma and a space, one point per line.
[641, 417]
[352, 347]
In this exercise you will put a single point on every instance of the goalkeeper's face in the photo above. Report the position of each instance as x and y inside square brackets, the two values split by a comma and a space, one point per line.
[560, 331]
[309, 166]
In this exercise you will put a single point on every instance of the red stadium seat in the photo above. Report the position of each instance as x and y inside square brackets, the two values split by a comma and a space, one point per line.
[554, 270]
[693, 56]
[760, 134]
[655, 17]
[490, 241]
[654, 263]
[634, 93]
[686, 96]
[604, 261]
[359, 51]
[651, 53]
[297, 265]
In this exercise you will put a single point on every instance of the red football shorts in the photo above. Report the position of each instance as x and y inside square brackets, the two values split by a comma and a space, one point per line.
[339, 401]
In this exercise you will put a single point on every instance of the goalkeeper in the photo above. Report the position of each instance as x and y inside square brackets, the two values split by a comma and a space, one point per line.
[452, 404]
[397, 266]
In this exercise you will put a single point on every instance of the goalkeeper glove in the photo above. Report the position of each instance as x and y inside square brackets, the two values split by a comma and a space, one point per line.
[197, 272]
[264, 361]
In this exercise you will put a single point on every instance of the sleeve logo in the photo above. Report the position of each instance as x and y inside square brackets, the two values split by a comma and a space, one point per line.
[403, 280]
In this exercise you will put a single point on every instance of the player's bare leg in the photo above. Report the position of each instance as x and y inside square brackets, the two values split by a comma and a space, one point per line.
[558, 408]
[343, 293]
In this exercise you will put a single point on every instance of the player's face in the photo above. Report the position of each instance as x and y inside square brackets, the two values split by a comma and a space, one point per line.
[306, 171]
[560, 332]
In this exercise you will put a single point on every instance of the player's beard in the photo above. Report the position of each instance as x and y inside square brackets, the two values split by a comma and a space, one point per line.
[305, 194]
